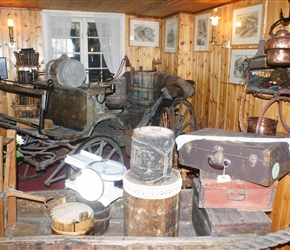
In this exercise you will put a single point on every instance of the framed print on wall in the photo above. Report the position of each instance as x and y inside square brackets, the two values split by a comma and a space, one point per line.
[3, 68]
[170, 35]
[144, 33]
[201, 32]
[247, 25]
[239, 64]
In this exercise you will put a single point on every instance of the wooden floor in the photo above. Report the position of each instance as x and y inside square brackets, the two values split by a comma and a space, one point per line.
[33, 218]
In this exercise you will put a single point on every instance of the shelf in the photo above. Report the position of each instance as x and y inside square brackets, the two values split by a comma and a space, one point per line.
[272, 85]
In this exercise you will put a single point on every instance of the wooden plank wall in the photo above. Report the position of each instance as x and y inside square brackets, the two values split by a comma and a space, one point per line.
[27, 34]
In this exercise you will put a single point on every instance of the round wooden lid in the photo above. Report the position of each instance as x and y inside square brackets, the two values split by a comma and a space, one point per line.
[71, 212]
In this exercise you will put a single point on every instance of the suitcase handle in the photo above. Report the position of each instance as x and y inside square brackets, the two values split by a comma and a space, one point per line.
[218, 164]
[231, 195]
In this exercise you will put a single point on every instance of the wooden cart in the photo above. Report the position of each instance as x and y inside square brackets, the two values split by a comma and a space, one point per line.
[70, 119]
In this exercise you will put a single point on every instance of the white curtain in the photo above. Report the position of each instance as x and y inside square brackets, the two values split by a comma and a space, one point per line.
[111, 30]
[55, 25]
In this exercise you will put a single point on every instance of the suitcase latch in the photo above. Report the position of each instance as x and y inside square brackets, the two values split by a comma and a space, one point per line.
[253, 159]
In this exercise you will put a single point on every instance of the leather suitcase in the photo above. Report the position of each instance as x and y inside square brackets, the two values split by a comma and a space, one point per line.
[227, 221]
[236, 193]
[250, 157]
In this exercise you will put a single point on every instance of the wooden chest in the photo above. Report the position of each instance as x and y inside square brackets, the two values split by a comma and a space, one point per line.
[227, 221]
[237, 193]
[254, 158]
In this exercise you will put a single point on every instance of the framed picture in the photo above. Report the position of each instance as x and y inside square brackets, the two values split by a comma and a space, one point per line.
[144, 33]
[3, 68]
[170, 35]
[239, 65]
[247, 25]
[201, 32]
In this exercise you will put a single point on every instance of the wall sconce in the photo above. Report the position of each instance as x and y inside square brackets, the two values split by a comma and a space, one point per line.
[10, 23]
[214, 23]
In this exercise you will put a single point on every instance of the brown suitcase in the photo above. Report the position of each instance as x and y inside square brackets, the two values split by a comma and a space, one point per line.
[257, 162]
[237, 193]
[227, 221]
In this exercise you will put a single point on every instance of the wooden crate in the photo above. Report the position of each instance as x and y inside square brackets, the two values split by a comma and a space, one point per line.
[227, 221]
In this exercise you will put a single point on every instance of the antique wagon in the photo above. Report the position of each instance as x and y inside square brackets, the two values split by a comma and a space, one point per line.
[68, 119]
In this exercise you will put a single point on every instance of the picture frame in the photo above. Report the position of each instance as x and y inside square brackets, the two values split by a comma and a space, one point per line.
[249, 25]
[3, 68]
[238, 64]
[202, 32]
[170, 38]
[144, 33]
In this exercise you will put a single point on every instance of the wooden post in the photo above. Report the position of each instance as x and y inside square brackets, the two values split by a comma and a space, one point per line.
[280, 214]
[1, 190]
[11, 147]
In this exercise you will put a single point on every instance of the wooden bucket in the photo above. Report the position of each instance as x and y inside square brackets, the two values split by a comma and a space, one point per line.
[66, 72]
[144, 87]
[151, 154]
[152, 210]
[120, 94]
[72, 218]
[102, 215]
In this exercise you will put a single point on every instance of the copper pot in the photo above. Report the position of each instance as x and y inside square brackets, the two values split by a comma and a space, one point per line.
[277, 46]
[267, 126]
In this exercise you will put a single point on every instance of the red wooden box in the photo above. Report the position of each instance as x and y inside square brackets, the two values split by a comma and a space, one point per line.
[237, 193]
[227, 221]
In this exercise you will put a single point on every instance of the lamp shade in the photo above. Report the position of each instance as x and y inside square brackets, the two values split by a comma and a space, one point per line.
[10, 22]
[214, 20]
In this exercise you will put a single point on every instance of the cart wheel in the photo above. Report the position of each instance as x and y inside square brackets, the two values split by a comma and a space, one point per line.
[103, 146]
[166, 119]
[27, 172]
[183, 116]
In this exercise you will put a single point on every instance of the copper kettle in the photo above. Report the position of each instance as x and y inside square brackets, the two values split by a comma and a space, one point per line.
[277, 46]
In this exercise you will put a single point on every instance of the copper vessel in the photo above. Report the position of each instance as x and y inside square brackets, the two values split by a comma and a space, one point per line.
[267, 126]
[277, 47]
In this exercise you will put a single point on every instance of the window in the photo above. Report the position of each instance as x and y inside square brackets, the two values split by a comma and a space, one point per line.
[84, 42]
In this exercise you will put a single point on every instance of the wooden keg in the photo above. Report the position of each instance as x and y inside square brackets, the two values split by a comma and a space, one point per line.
[151, 154]
[152, 210]
[72, 218]
[66, 71]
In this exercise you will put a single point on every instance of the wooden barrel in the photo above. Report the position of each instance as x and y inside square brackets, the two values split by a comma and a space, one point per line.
[152, 210]
[66, 71]
[151, 154]
[72, 218]
[144, 87]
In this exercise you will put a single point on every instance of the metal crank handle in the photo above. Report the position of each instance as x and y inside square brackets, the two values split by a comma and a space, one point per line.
[220, 165]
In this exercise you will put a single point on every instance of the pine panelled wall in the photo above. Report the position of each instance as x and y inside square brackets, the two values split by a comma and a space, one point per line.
[216, 101]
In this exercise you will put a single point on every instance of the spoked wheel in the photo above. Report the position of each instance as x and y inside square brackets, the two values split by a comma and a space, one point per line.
[166, 119]
[183, 116]
[102, 146]
[27, 172]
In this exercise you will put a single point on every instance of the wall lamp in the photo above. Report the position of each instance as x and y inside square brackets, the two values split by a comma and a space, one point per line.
[10, 23]
[214, 23]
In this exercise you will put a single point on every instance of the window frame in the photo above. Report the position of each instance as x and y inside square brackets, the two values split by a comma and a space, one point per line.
[84, 19]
